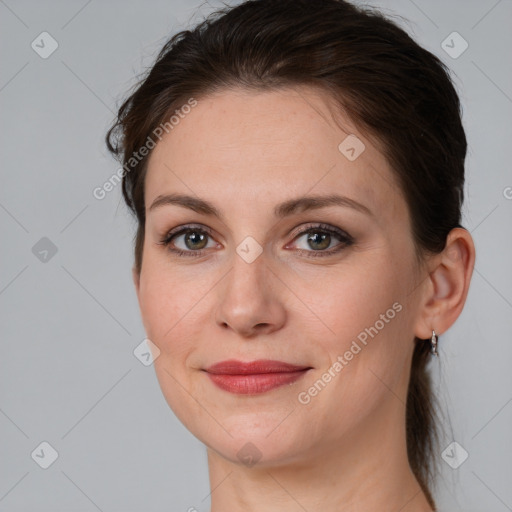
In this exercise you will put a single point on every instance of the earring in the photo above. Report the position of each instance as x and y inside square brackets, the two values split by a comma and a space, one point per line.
[433, 343]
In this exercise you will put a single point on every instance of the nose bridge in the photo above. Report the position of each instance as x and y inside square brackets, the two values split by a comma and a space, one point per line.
[248, 300]
[247, 278]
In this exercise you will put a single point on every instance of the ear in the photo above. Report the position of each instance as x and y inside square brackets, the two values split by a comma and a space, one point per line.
[446, 289]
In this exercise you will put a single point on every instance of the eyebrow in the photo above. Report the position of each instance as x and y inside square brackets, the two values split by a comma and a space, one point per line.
[285, 209]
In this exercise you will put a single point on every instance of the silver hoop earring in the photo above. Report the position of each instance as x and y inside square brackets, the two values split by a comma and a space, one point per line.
[433, 343]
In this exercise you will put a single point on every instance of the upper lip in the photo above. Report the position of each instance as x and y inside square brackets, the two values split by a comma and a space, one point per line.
[234, 367]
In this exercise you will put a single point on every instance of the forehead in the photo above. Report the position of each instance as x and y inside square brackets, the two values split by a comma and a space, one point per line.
[237, 145]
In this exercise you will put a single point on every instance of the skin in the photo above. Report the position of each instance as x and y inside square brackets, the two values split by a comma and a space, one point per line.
[345, 450]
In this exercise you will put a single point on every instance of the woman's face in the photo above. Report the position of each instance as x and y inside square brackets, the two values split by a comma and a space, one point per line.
[262, 280]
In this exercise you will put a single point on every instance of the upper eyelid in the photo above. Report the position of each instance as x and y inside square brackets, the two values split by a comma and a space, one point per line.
[187, 227]
[321, 226]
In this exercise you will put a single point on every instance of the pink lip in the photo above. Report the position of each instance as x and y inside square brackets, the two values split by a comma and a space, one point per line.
[254, 377]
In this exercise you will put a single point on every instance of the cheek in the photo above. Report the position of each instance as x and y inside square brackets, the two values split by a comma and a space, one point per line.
[359, 317]
[344, 302]
[167, 309]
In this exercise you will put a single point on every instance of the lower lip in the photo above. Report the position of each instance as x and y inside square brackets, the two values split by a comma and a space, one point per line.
[254, 383]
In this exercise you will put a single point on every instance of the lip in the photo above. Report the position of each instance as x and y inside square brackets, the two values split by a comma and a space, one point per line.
[254, 377]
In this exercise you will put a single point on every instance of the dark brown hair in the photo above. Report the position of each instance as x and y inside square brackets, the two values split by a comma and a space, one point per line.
[393, 89]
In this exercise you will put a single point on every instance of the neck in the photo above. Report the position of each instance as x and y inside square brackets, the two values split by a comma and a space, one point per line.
[367, 469]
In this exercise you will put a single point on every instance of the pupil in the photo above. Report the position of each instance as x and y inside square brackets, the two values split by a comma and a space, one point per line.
[325, 237]
[195, 238]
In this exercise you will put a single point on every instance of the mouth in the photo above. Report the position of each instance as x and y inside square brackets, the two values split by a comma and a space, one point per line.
[254, 377]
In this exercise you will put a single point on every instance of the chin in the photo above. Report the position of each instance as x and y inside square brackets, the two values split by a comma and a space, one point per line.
[264, 439]
[257, 451]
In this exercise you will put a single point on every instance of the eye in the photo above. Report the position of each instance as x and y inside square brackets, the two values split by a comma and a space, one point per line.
[317, 240]
[188, 241]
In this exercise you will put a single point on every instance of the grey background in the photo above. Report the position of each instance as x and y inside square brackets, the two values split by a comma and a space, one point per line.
[69, 324]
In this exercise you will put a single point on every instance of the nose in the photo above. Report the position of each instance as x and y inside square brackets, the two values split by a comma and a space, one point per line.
[250, 299]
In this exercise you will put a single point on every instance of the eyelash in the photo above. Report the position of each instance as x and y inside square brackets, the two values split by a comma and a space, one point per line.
[345, 239]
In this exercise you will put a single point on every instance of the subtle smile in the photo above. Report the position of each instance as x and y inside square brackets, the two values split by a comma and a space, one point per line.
[254, 377]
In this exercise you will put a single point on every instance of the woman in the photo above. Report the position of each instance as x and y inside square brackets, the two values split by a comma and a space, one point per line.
[297, 171]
